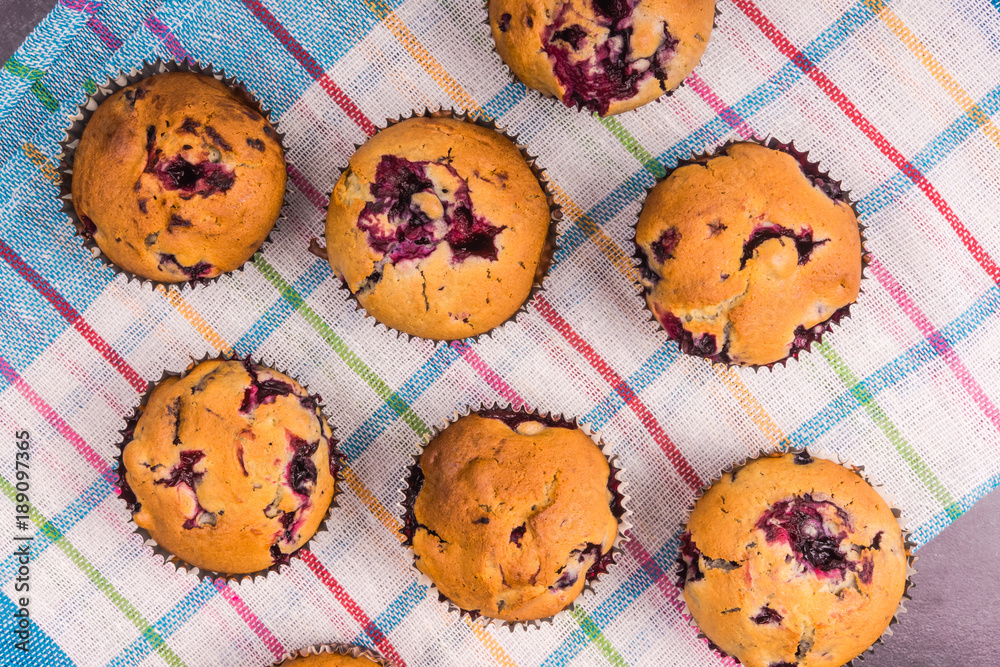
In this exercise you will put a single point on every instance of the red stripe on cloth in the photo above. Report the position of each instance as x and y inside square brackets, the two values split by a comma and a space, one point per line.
[306, 188]
[57, 422]
[70, 314]
[110, 39]
[837, 96]
[157, 27]
[622, 388]
[250, 618]
[309, 63]
[937, 341]
[724, 111]
[370, 629]
[488, 374]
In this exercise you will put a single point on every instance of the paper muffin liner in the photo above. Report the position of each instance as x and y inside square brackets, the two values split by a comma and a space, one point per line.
[85, 111]
[820, 179]
[413, 482]
[555, 102]
[816, 453]
[348, 650]
[549, 248]
[128, 497]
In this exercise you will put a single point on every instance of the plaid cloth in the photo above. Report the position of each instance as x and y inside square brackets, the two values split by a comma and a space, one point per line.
[897, 98]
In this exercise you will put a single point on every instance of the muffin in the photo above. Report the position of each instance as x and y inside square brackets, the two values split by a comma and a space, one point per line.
[750, 255]
[792, 560]
[438, 227]
[605, 56]
[178, 178]
[230, 468]
[511, 514]
[334, 655]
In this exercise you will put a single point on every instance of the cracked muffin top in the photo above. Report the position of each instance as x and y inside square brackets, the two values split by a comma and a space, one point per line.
[438, 227]
[231, 467]
[512, 514]
[177, 179]
[748, 255]
[329, 660]
[792, 560]
[605, 56]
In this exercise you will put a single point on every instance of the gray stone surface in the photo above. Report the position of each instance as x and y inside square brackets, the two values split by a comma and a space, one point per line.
[954, 618]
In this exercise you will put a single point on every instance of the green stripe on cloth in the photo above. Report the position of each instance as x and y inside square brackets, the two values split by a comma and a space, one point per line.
[38, 88]
[340, 347]
[867, 401]
[600, 641]
[127, 608]
[23, 71]
[633, 146]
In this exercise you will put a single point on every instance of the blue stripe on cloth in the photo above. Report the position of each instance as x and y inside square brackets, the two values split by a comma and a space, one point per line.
[394, 614]
[151, 640]
[650, 370]
[634, 586]
[931, 156]
[82, 505]
[902, 366]
[282, 309]
[44, 652]
[505, 100]
[923, 534]
[386, 414]
[632, 189]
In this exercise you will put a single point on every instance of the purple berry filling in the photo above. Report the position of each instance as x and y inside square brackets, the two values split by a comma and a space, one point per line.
[199, 270]
[504, 22]
[136, 94]
[301, 469]
[804, 338]
[766, 615]
[261, 392]
[256, 143]
[703, 346]
[517, 534]
[804, 244]
[801, 523]
[89, 228]
[414, 235]
[803, 458]
[687, 561]
[278, 556]
[663, 248]
[183, 472]
[177, 221]
[204, 178]
[217, 138]
[593, 83]
[571, 572]
[190, 125]
[514, 419]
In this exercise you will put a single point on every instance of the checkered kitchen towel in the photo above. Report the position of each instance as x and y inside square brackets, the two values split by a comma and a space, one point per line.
[895, 97]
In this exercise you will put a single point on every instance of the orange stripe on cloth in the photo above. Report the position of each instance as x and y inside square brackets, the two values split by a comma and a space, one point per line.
[43, 163]
[936, 69]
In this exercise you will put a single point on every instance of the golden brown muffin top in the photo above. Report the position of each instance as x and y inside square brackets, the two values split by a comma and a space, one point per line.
[329, 660]
[178, 179]
[748, 259]
[793, 560]
[514, 514]
[229, 467]
[437, 226]
[606, 56]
